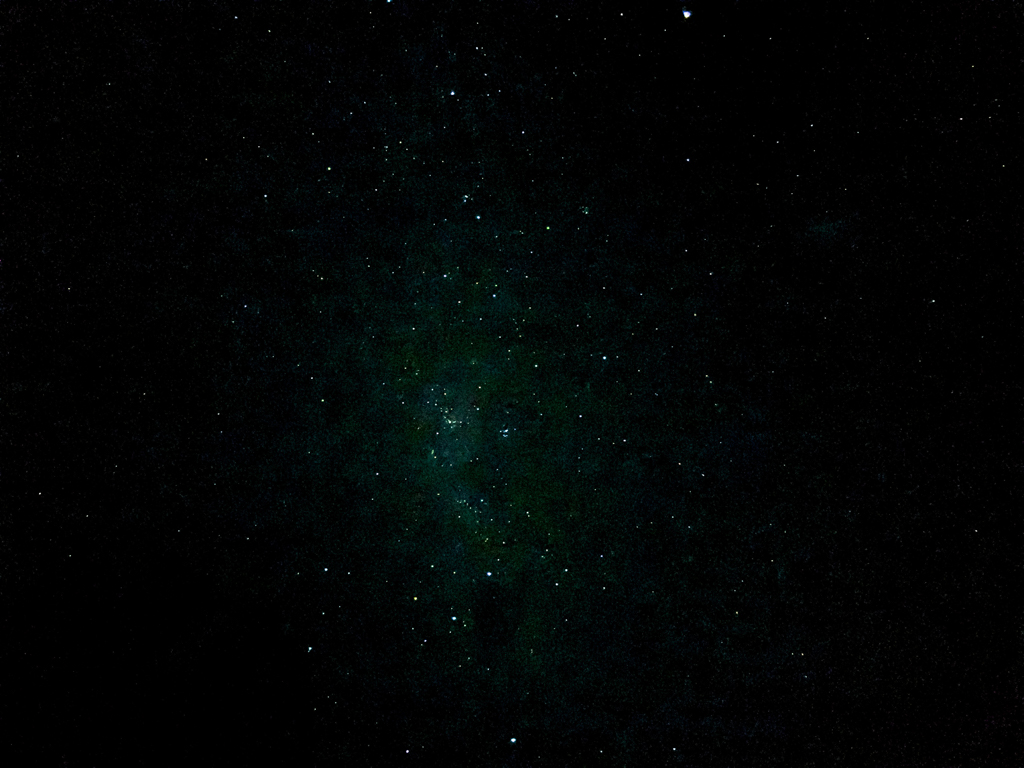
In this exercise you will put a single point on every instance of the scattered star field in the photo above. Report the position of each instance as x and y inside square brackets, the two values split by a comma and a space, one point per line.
[544, 385]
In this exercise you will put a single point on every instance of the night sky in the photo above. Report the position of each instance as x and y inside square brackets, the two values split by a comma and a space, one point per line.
[511, 384]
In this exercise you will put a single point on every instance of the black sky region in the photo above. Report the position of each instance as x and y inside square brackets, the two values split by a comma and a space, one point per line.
[510, 383]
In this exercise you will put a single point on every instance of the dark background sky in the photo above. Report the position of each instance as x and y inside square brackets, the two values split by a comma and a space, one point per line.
[510, 384]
